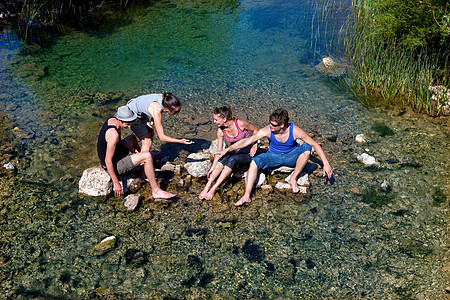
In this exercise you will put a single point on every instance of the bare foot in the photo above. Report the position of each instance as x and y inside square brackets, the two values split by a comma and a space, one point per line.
[244, 199]
[294, 185]
[210, 194]
[160, 194]
[203, 193]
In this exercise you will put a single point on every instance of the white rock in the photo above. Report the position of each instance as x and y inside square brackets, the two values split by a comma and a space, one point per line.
[281, 186]
[198, 164]
[132, 201]
[367, 160]
[95, 182]
[301, 181]
[329, 63]
[260, 179]
[104, 246]
[213, 147]
[282, 169]
[361, 138]
[9, 166]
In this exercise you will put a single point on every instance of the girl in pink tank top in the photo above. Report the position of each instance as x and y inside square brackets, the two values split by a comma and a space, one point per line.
[232, 130]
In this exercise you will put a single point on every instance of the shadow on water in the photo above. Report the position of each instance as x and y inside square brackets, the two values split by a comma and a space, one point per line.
[343, 240]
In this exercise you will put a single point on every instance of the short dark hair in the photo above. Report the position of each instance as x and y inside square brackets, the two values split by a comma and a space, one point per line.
[170, 102]
[280, 116]
[224, 112]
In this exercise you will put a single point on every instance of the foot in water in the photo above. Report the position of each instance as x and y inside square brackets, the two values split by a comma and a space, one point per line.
[203, 193]
[243, 200]
[210, 194]
[160, 194]
[295, 188]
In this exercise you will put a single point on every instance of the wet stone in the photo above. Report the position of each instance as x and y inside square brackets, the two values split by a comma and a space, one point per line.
[106, 245]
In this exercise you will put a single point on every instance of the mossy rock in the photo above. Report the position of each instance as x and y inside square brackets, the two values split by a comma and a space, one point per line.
[382, 129]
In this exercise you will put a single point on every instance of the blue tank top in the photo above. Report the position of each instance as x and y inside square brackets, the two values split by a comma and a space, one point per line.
[277, 147]
[140, 104]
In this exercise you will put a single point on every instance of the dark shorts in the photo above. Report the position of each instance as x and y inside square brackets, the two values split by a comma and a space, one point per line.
[141, 126]
[274, 160]
[232, 158]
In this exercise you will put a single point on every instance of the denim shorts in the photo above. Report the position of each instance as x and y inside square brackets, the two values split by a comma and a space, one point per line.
[274, 160]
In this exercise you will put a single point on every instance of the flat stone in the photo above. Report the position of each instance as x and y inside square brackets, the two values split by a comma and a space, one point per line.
[106, 245]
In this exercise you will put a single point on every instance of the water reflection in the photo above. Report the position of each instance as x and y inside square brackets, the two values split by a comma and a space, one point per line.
[348, 240]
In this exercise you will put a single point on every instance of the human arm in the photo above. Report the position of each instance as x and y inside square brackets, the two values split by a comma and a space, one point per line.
[157, 122]
[112, 139]
[301, 134]
[262, 133]
[249, 127]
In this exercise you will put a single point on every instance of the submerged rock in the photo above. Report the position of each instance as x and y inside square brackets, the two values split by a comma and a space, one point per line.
[106, 245]
[361, 138]
[8, 166]
[368, 161]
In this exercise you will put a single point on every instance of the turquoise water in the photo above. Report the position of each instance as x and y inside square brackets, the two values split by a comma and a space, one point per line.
[345, 241]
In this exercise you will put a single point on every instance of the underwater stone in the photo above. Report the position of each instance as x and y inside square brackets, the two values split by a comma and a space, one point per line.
[368, 161]
[253, 252]
[95, 182]
[106, 245]
[361, 138]
[9, 166]
[385, 186]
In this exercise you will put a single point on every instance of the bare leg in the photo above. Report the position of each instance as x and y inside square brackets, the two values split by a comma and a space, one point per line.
[146, 140]
[224, 175]
[212, 177]
[147, 160]
[299, 165]
[251, 178]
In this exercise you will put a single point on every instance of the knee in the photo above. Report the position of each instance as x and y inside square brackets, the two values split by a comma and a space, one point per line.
[306, 154]
[147, 157]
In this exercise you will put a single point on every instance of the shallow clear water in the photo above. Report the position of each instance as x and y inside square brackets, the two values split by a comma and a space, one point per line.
[348, 240]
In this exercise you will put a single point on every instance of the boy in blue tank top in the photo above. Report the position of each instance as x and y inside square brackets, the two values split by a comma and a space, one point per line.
[283, 151]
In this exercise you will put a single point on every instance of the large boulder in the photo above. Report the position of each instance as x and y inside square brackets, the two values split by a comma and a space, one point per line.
[95, 182]
[198, 164]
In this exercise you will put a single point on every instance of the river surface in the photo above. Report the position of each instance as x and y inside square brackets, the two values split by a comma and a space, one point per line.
[349, 240]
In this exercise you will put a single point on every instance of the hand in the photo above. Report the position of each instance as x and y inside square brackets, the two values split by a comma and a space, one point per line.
[327, 171]
[118, 189]
[253, 150]
[209, 173]
[187, 142]
[221, 153]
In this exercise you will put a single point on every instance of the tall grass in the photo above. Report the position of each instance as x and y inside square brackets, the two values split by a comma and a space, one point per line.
[389, 73]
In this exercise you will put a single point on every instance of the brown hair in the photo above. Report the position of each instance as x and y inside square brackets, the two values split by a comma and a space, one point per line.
[280, 116]
[170, 102]
[224, 112]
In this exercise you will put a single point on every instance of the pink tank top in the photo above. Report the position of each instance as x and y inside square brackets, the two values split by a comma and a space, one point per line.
[242, 134]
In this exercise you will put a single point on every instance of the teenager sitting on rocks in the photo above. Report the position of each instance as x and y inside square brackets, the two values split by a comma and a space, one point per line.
[149, 109]
[283, 151]
[113, 152]
[233, 130]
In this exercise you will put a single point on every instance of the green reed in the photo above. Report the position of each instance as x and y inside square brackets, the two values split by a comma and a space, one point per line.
[389, 73]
